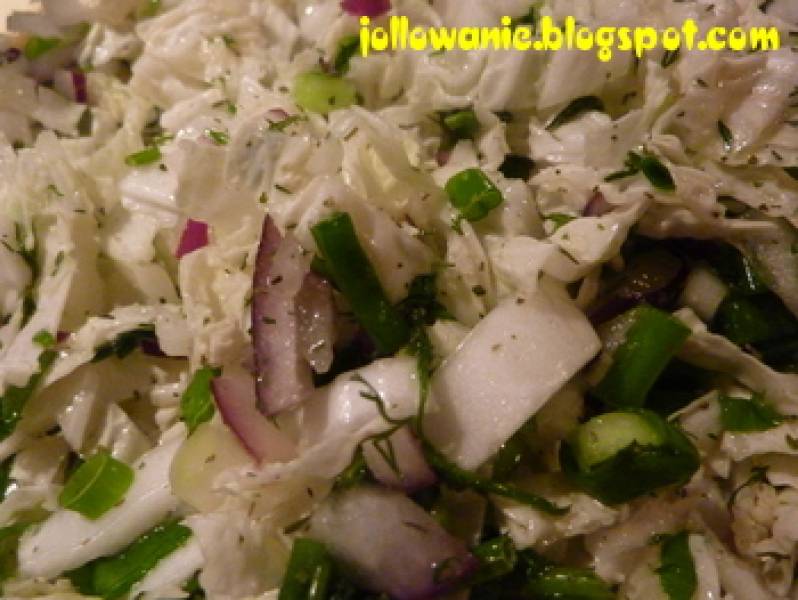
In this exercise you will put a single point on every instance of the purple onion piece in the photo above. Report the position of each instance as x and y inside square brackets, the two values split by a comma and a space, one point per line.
[597, 206]
[366, 8]
[11, 54]
[284, 377]
[194, 237]
[275, 115]
[406, 468]
[235, 398]
[442, 157]
[80, 87]
[390, 544]
[656, 277]
[151, 347]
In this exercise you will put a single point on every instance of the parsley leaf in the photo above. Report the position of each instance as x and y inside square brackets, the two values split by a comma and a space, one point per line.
[748, 414]
[677, 569]
[196, 403]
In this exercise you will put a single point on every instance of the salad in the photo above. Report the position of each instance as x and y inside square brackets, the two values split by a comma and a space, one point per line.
[278, 321]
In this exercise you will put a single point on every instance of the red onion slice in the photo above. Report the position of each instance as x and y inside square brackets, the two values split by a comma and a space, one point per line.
[442, 157]
[284, 376]
[316, 312]
[366, 8]
[391, 544]
[655, 277]
[597, 206]
[235, 397]
[398, 462]
[195, 236]
[275, 115]
[80, 87]
[11, 54]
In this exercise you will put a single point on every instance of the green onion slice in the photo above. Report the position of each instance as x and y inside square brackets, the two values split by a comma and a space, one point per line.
[323, 93]
[473, 194]
[309, 571]
[617, 457]
[652, 339]
[149, 155]
[353, 274]
[461, 124]
[112, 577]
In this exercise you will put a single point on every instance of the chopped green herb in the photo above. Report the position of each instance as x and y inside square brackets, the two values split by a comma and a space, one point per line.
[505, 116]
[220, 138]
[559, 219]
[285, 123]
[421, 347]
[15, 398]
[546, 581]
[37, 46]
[196, 403]
[230, 42]
[574, 109]
[527, 20]
[726, 135]
[421, 306]
[149, 155]
[461, 479]
[96, 486]
[9, 542]
[497, 557]
[348, 47]
[514, 452]
[758, 474]
[148, 8]
[309, 571]
[125, 343]
[229, 106]
[44, 338]
[5, 477]
[677, 574]
[355, 474]
[748, 414]
[653, 169]
[670, 57]
[750, 320]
